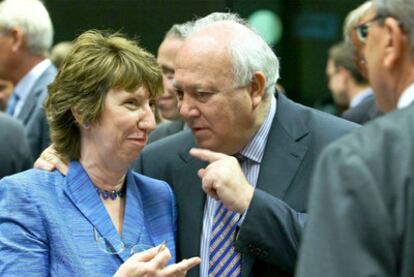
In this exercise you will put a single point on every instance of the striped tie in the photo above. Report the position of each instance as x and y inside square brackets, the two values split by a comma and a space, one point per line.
[224, 260]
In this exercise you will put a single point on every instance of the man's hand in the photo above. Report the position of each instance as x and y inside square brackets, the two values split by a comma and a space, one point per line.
[224, 180]
[152, 263]
[50, 160]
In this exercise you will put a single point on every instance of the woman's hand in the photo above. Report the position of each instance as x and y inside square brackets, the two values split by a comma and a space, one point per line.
[151, 263]
[50, 160]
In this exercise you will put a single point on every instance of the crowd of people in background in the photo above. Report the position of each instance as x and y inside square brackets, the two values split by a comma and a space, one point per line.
[196, 162]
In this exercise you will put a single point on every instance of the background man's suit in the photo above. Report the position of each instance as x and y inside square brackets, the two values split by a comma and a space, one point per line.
[33, 115]
[268, 238]
[166, 129]
[364, 111]
[14, 149]
[361, 219]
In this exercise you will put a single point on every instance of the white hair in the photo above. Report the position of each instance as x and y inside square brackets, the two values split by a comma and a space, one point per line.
[401, 10]
[32, 17]
[249, 52]
[352, 19]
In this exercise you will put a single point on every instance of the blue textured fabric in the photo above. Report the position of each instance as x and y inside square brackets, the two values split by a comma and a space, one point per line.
[47, 222]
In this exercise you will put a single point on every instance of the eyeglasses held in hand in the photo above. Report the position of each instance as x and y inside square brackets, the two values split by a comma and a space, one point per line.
[119, 247]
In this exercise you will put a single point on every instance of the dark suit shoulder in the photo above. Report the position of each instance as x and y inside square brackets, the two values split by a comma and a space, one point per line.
[14, 150]
[299, 121]
[364, 112]
[166, 129]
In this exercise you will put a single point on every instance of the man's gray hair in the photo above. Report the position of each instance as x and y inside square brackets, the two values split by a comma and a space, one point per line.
[401, 10]
[352, 19]
[249, 52]
[180, 31]
[32, 17]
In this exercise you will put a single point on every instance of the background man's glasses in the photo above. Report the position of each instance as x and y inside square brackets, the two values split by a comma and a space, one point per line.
[362, 29]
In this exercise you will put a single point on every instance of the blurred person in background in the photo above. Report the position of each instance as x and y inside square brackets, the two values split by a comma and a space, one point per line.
[26, 35]
[59, 52]
[349, 88]
[167, 103]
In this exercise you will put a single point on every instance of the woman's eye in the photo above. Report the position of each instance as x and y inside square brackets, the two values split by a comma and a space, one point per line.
[131, 103]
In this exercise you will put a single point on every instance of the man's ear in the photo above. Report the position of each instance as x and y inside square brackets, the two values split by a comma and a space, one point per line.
[396, 44]
[257, 88]
[18, 38]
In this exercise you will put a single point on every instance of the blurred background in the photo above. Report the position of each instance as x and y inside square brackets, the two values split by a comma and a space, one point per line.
[300, 31]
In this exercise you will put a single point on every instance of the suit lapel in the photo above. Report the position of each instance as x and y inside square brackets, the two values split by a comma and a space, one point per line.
[81, 192]
[190, 203]
[283, 155]
[284, 150]
[134, 220]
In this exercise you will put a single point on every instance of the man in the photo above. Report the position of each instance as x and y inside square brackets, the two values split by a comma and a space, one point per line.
[26, 35]
[14, 149]
[368, 108]
[361, 219]
[225, 89]
[167, 103]
[348, 87]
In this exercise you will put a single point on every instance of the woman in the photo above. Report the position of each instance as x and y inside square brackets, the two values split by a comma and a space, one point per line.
[88, 222]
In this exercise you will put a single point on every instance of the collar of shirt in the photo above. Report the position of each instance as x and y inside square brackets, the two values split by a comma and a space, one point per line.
[25, 85]
[254, 150]
[359, 97]
[407, 97]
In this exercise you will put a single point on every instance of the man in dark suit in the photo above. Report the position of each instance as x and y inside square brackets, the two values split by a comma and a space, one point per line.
[348, 86]
[14, 149]
[167, 102]
[26, 37]
[229, 106]
[361, 220]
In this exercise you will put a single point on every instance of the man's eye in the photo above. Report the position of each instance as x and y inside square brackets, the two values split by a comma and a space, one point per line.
[180, 94]
[202, 94]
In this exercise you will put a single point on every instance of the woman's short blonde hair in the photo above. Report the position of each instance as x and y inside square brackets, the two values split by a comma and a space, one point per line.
[98, 62]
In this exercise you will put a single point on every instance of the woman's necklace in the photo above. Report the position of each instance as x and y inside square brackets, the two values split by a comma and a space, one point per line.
[111, 194]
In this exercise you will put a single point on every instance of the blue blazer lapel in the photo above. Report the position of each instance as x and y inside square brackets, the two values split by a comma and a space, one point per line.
[80, 190]
[134, 220]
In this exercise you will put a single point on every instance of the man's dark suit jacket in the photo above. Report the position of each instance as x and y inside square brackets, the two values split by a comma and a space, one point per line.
[361, 220]
[14, 149]
[33, 114]
[269, 236]
[166, 129]
[364, 111]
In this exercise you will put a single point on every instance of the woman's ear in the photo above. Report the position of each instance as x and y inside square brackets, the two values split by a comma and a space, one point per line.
[77, 117]
[257, 88]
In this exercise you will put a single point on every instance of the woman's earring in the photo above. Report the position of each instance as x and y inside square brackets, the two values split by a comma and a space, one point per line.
[85, 125]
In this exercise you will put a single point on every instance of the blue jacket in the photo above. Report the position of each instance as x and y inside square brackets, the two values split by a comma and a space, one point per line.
[47, 223]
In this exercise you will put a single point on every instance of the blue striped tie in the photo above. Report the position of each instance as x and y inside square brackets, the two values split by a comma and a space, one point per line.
[224, 260]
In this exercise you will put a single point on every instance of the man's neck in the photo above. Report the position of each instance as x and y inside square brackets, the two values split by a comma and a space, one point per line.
[26, 64]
